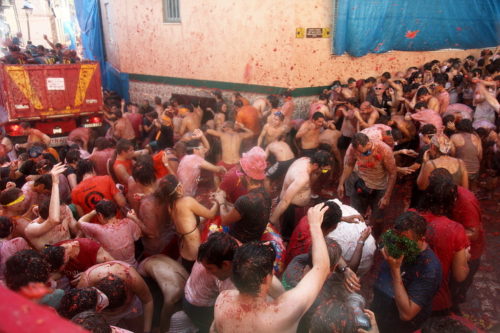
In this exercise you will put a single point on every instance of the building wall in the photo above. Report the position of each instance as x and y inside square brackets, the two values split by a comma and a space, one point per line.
[248, 42]
[41, 22]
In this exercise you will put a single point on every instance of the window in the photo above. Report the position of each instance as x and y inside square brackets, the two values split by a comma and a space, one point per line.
[171, 11]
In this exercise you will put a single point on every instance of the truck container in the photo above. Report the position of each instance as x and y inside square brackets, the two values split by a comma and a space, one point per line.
[55, 99]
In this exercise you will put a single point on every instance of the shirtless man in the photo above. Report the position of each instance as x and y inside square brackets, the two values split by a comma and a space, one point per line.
[262, 104]
[122, 167]
[272, 130]
[231, 142]
[185, 212]
[423, 95]
[284, 158]
[54, 222]
[309, 134]
[122, 127]
[191, 121]
[34, 135]
[321, 105]
[366, 116]
[171, 277]
[296, 191]
[288, 107]
[126, 292]
[407, 128]
[252, 275]
[330, 137]
[141, 184]
[366, 88]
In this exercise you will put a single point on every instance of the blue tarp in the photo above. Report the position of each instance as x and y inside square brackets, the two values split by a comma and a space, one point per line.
[377, 26]
[89, 18]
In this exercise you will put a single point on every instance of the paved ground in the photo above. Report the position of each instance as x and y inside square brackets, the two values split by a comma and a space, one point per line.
[483, 299]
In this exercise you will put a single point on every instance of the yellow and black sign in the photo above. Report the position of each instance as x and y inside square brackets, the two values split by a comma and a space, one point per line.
[317, 32]
[300, 33]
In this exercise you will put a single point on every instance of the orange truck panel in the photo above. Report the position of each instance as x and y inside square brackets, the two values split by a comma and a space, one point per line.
[50, 91]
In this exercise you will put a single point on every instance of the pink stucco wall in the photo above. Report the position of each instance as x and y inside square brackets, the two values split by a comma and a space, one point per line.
[241, 42]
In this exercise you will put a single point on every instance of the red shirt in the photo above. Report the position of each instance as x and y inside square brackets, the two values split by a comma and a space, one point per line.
[87, 257]
[467, 212]
[445, 237]
[92, 190]
[232, 185]
[160, 169]
[300, 241]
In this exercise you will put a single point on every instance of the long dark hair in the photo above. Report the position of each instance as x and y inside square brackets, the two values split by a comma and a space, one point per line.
[167, 191]
[440, 196]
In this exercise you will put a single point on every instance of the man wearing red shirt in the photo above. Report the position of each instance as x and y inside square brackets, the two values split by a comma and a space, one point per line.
[92, 189]
[447, 238]
[467, 212]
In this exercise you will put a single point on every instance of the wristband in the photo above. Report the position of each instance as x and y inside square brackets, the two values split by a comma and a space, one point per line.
[341, 269]
[361, 242]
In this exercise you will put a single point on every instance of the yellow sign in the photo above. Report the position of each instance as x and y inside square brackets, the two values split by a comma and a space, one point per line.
[22, 80]
[326, 32]
[86, 73]
[300, 33]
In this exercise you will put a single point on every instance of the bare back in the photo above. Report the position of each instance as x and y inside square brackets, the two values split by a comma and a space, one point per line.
[186, 225]
[231, 143]
[237, 313]
[281, 151]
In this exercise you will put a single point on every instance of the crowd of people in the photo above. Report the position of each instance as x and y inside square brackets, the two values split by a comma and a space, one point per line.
[15, 52]
[240, 217]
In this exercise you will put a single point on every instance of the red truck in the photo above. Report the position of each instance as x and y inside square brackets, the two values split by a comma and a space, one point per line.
[55, 99]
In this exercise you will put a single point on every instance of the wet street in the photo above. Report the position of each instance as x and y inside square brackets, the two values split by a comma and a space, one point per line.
[483, 299]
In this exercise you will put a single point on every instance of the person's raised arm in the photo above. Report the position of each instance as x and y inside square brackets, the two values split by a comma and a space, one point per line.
[200, 210]
[120, 200]
[303, 295]
[39, 229]
[133, 216]
[406, 307]
[303, 130]
[213, 132]
[210, 167]
[49, 42]
[121, 174]
[353, 263]
[247, 133]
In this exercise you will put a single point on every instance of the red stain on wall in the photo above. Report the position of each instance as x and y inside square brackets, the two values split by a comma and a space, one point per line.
[248, 72]
[411, 34]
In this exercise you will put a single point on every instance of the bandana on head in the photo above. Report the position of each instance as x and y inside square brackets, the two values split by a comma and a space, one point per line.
[102, 300]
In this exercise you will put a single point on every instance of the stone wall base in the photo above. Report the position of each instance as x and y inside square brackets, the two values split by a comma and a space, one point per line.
[140, 91]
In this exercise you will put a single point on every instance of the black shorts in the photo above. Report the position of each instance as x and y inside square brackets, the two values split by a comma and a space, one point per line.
[344, 142]
[308, 152]
[278, 169]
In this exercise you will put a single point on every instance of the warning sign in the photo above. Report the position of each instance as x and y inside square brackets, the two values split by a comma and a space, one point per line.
[55, 83]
